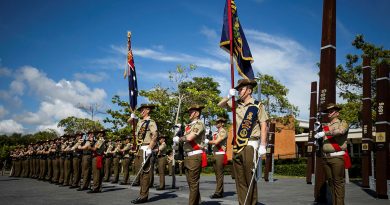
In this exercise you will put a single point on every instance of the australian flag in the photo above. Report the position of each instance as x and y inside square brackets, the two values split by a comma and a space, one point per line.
[241, 51]
[131, 75]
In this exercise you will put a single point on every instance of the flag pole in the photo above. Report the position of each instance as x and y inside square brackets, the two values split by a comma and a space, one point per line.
[131, 109]
[232, 68]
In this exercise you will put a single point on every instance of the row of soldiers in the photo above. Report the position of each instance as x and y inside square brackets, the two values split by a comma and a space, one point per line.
[250, 142]
[54, 159]
[68, 159]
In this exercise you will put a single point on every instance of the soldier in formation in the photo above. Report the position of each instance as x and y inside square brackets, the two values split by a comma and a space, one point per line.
[250, 139]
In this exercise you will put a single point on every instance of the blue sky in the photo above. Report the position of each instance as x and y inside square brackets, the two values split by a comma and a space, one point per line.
[55, 55]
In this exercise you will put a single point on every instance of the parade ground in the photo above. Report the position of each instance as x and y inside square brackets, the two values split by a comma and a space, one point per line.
[283, 191]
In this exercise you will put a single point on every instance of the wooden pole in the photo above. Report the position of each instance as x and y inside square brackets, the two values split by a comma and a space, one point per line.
[367, 124]
[311, 147]
[232, 69]
[327, 86]
[382, 125]
[270, 153]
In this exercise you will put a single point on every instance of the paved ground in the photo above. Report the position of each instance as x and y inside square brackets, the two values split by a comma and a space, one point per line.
[283, 191]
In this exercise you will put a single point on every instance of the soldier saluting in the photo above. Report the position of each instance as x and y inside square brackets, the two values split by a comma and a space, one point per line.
[194, 133]
[334, 151]
[146, 139]
[251, 129]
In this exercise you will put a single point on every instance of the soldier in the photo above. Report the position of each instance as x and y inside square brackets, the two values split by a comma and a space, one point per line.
[86, 161]
[108, 155]
[194, 134]
[68, 161]
[220, 157]
[76, 160]
[334, 150]
[30, 160]
[146, 139]
[116, 161]
[251, 129]
[43, 162]
[161, 160]
[97, 163]
[49, 154]
[56, 150]
[126, 160]
[62, 159]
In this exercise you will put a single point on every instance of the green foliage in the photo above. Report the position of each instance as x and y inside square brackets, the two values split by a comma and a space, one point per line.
[350, 78]
[72, 125]
[118, 119]
[274, 96]
[203, 91]
[165, 103]
[291, 170]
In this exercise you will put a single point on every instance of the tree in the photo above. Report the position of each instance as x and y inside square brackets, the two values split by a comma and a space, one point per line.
[275, 96]
[349, 78]
[73, 124]
[119, 117]
[203, 91]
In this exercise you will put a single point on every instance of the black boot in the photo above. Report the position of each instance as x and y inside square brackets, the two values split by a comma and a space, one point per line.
[139, 201]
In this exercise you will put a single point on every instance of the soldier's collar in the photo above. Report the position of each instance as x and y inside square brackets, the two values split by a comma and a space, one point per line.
[194, 122]
[146, 118]
[251, 101]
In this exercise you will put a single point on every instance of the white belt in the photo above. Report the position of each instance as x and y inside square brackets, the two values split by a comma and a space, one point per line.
[333, 154]
[145, 147]
[221, 152]
[194, 152]
[254, 144]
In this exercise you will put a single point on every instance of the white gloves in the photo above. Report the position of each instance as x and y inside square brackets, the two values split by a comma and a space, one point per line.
[176, 139]
[206, 141]
[148, 152]
[177, 128]
[207, 131]
[319, 135]
[317, 126]
[133, 116]
[232, 92]
[262, 150]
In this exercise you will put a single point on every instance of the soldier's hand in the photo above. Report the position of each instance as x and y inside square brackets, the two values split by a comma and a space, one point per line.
[206, 141]
[176, 139]
[232, 92]
[317, 126]
[148, 151]
[262, 150]
[319, 135]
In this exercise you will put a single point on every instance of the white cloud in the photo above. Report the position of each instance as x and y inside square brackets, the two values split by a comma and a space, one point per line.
[17, 87]
[51, 111]
[5, 72]
[8, 97]
[208, 32]
[57, 99]
[205, 62]
[93, 77]
[10, 126]
[3, 111]
[67, 91]
[51, 126]
[288, 61]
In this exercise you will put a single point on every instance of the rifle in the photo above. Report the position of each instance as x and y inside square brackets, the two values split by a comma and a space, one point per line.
[179, 133]
[318, 128]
